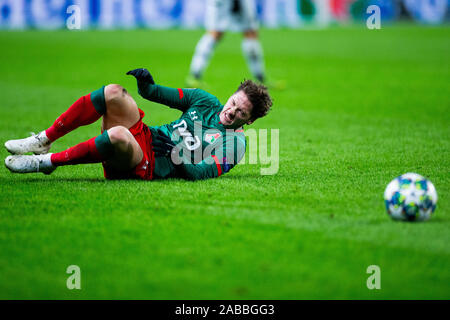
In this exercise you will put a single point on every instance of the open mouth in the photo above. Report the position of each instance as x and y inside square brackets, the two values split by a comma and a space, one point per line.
[228, 118]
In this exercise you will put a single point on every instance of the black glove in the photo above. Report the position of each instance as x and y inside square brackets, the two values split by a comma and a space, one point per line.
[163, 146]
[141, 74]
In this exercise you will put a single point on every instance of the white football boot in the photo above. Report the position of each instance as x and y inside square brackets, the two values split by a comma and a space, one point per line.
[29, 164]
[37, 143]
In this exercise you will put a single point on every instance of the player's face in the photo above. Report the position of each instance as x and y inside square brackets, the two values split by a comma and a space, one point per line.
[237, 111]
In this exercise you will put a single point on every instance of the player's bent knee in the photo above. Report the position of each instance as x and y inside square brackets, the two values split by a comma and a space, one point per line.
[114, 92]
[119, 136]
[127, 151]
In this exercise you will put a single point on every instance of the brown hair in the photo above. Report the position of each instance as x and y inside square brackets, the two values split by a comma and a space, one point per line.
[259, 97]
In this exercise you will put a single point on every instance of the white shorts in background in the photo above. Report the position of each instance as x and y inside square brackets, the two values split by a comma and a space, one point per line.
[219, 16]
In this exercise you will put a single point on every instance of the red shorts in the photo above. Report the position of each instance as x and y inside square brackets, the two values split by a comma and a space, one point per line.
[144, 170]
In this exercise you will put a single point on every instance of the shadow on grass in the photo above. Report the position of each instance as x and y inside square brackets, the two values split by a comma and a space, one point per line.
[389, 221]
[44, 179]
[244, 176]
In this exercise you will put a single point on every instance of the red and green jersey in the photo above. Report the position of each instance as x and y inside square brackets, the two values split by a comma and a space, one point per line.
[209, 149]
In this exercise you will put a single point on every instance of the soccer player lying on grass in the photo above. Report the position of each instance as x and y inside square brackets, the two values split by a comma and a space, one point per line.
[205, 142]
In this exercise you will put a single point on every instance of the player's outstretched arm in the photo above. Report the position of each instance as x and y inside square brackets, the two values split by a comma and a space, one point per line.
[173, 97]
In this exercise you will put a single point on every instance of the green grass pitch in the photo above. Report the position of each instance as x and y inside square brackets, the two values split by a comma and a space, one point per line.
[361, 107]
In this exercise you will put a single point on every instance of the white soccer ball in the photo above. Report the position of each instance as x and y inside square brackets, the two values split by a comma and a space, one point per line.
[410, 197]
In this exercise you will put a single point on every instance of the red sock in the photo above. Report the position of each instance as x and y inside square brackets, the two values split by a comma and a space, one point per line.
[85, 152]
[81, 113]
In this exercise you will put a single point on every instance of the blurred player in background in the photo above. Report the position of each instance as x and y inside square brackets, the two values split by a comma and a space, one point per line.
[221, 16]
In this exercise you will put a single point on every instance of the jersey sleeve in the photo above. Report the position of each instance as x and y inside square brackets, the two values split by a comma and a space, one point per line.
[206, 169]
[178, 98]
[219, 162]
